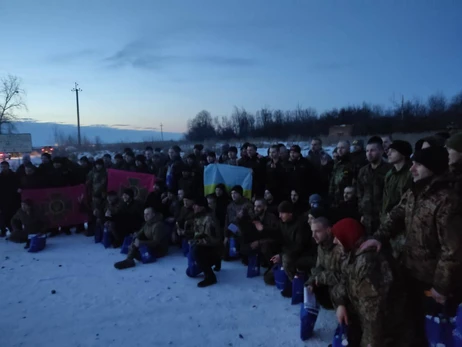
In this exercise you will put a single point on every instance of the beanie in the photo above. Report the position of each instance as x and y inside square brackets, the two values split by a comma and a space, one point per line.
[359, 143]
[455, 142]
[433, 158]
[375, 139]
[315, 199]
[238, 189]
[402, 147]
[348, 231]
[199, 147]
[285, 207]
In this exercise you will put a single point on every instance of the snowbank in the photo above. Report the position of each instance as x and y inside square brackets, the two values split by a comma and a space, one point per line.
[149, 305]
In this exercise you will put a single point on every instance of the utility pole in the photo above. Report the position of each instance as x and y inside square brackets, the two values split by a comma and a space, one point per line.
[162, 132]
[76, 89]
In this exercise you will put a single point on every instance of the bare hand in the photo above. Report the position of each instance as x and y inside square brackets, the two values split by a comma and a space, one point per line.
[136, 243]
[258, 225]
[310, 289]
[342, 315]
[371, 244]
[362, 220]
[276, 259]
[440, 299]
[108, 213]
[254, 245]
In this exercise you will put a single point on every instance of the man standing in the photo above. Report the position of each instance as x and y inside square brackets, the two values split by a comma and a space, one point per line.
[370, 182]
[431, 214]
[387, 141]
[454, 146]
[10, 200]
[343, 173]
[275, 174]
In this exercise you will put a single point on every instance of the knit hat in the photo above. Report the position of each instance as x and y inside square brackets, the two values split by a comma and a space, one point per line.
[375, 139]
[296, 149]
[232, 149]
[315, 198]
[359, 143]
[455, 142]
[402, 147]
[285, 207]
[317, 212]
[433, 158]
[348, 231]
[199, 147]
[238, 189]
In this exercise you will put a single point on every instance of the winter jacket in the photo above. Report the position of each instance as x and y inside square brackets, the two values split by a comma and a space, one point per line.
[302, 176]
[296, 239]
[372, 289]
[396, 184]
[233, 211]
[275, 176]
[430, 215]
[343, 174]
[270, 230]
[359, 160]
[205, 228]
[155, 235]
[97, 183]
[10, 200]
[24, 224]
[33, 181]
[369, 187]
[345, 209]
[129, 217]
[185, 217]
[257, 165]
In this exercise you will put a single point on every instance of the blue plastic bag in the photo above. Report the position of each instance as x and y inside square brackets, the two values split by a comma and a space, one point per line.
[37, 243]
[309, 311]
[280, 277]
[298, 289]
[340, 336]
[459, 318]
[185, 247]
[146, 255]
[439, 330]
[126, 245]
[193, 269]
[232, 248]
[107, 238]
[253, 269]
[98, 234]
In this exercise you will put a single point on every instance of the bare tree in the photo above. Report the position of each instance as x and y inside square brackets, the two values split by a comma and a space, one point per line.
[11, 100]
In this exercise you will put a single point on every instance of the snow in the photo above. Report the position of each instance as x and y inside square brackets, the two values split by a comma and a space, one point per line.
[149, 305]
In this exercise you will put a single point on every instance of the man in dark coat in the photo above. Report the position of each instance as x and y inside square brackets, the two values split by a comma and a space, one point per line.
[275, 174]
[9, 198]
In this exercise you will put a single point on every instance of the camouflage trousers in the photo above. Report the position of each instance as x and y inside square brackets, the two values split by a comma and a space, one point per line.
[292, 265]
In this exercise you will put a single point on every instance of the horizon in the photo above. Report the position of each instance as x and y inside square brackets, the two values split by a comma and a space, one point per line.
[151, 64]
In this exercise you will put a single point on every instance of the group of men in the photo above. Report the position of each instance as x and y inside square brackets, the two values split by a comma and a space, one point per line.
[374, 231]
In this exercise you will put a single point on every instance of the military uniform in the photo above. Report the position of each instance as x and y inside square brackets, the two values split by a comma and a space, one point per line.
[155, 235]
[24, 224]
[370, 183]
[97, 186]
[396, 184]
[343, 174]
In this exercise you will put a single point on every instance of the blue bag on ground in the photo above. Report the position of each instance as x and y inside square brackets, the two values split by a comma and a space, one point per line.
[193, 269]
[37, 243]
[439, 330]
[340, 336]
[308, 315]
[298, 289]
[98, 234]
[253, 269]
[185, 247]
[146, 255]
[107, 238]
[232, 248]
[280, 277]
[126, 245]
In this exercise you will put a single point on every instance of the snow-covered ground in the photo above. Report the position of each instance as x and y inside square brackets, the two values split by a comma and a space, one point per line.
[149, 305]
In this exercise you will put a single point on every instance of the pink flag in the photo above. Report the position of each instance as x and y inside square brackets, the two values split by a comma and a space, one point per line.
[141, 183]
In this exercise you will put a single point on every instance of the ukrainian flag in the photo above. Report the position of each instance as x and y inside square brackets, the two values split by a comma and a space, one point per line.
[230, 176]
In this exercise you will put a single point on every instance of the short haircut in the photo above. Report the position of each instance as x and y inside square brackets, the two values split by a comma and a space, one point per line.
[107, 155]
[263, 201]
[150, 208]
[389, 136]
[252, 145]
[346, 142]
[211, 196]
[276, 147]
[352, 187]
[323, 221]
[317, 139]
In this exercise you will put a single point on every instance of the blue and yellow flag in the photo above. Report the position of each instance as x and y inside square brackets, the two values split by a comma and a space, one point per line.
[230, 176]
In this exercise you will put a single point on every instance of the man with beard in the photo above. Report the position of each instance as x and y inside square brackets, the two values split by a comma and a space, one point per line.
[430, 215]
[387, 141]
[370, 183]
[107, 161]
[232, 156]
[343, 174]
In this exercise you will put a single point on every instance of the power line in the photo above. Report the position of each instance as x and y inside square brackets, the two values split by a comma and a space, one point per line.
[76, 89]
[161, 132]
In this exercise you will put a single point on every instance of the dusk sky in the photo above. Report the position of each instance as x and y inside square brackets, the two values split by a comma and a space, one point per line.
[141, 63]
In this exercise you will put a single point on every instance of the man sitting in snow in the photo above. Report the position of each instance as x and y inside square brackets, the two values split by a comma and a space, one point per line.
[154, 235]
[25, 222]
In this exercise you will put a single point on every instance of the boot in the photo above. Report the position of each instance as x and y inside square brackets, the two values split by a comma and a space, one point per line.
[27, 244]
[125, 264]
[287, 292]
[217, 267]
[209, 280]
[268, 277]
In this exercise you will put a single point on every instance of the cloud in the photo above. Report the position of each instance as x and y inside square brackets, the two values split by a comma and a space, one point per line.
[333, 65]
[139, 55]
[67, 57]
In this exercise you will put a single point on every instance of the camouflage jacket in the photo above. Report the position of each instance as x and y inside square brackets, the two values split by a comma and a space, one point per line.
[233, 210]
[343, 174]
[24, 224]
[372, 289]
[296, 239]
[205, 228]
[369, 186]
[328, 265]
[97, 183]
[359, 160]
[185, 217]
[155, 235]
[396, 184]
[431, 216]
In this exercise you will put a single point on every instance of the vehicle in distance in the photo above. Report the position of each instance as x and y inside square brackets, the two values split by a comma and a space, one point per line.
[47, 149]
[5, 156]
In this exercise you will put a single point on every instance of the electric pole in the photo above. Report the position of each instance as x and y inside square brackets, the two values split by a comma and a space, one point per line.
[161, 132]
[76, 89]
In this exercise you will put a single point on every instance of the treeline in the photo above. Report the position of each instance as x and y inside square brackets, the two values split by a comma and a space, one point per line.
[407, 117]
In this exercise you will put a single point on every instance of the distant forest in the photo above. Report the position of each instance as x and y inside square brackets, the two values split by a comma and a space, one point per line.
[437, 113]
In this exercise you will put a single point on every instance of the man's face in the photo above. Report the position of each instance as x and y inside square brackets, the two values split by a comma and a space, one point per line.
[235, 195]
[112, 199]
[188, 203]
[198, 209]
[25, 207]
[190, 161]
[125, 197]
[335, 156]
[25, 159]
[243, 152]
[454, 156]
[348, 194]
[251, 151]
[181, 194]
[29, 171]
[283, 154]
[374, 152]
[232, 155]
[99, 167]
[274, 153]
[259, 208]
[315, 146]
[394, 156]
[357, 148]
[83, 163]
[148, 214]
[129, 158]
[342, 149]
[294, 196]
[172, 153]
[386, 143]
[320, 233]
[57, 165]
[107, 160]
[148, 154]
[294, 155]
[285, 217]
[268, 196]
[118, 160]
[420, 172]
[218, 192]
[210, 159]
[212, 203]
[197, 152]
[186, 174]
